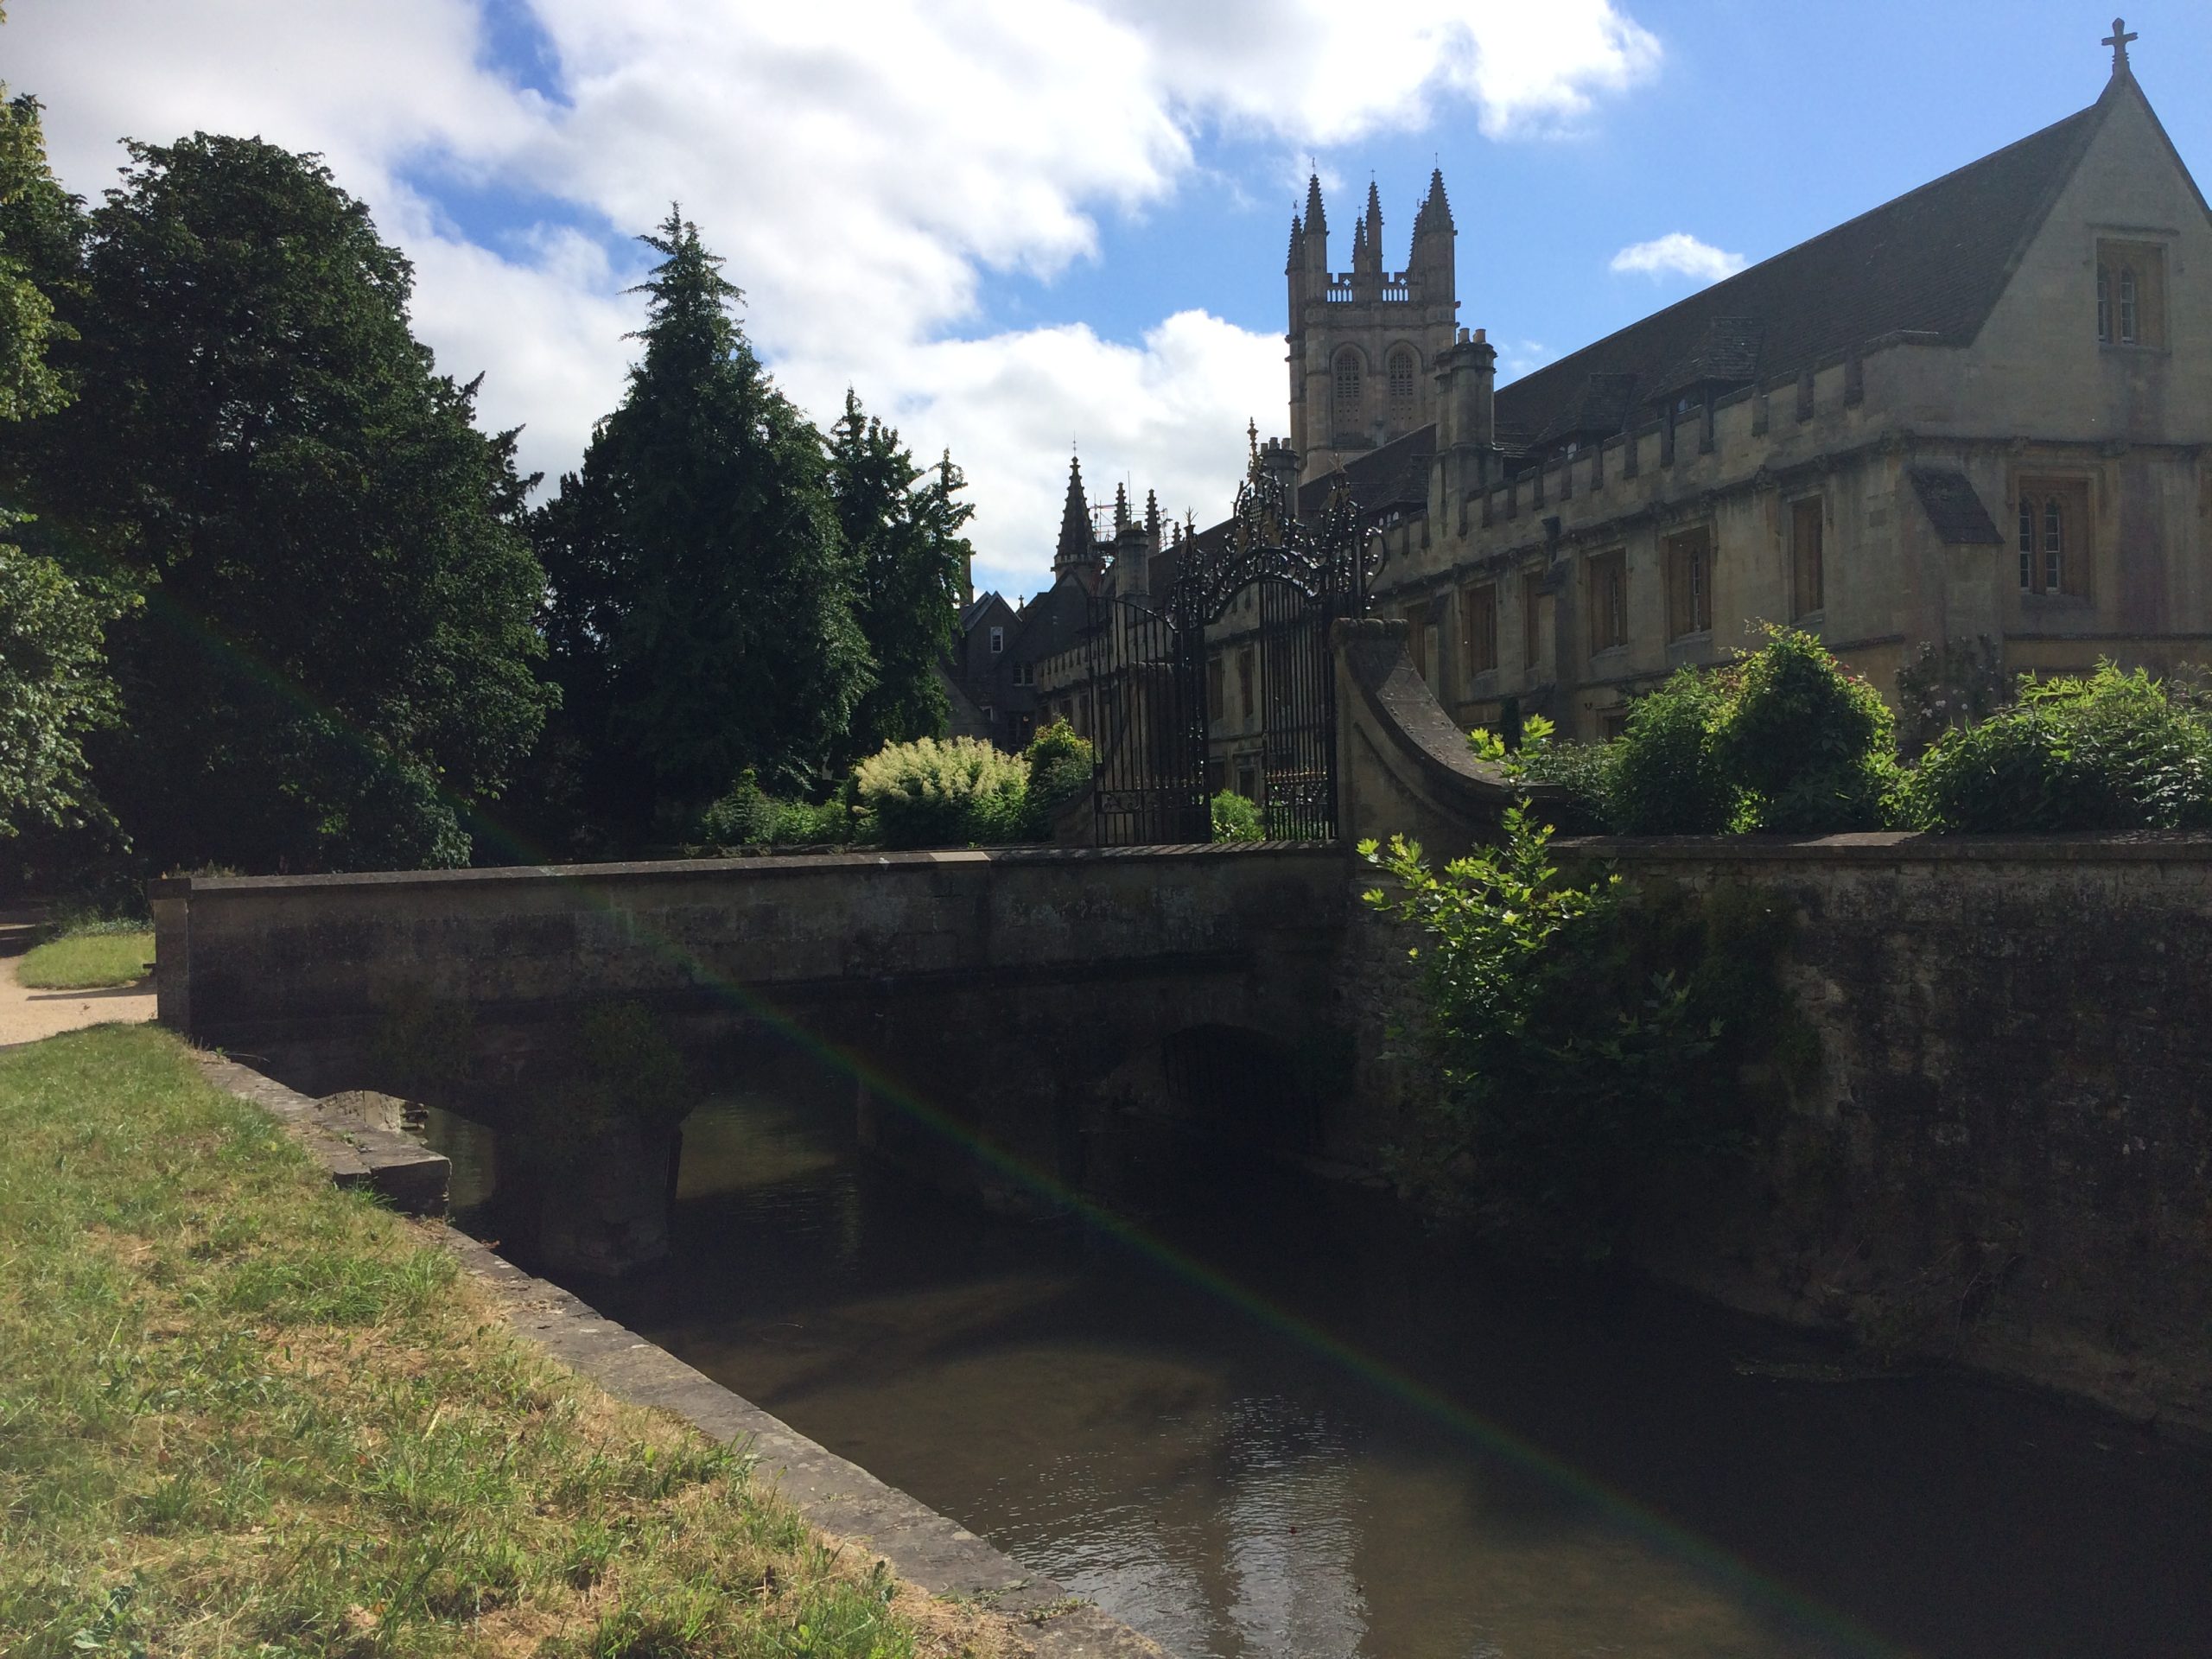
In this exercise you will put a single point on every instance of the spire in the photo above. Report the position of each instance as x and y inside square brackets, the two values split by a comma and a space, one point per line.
[1121, 508]
[2118, 40]
[1315, 219]
[1374, 212]
[1367, 239]
[1297, 234]
[1075, 524]
[1436, 208]
[1152, 518]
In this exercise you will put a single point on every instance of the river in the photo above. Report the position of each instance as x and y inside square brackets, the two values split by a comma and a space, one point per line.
[1279, 1423]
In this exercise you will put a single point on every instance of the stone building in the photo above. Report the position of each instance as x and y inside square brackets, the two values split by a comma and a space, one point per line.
[1980, 411]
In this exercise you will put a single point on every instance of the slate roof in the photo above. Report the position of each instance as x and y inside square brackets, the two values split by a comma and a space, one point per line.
[1049, 622]
[1953, 506]
[1933, 261]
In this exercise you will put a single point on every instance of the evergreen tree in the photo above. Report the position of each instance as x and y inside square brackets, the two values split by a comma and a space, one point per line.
[701, 621]
[335, 655]
[54, 689]
[910, 566]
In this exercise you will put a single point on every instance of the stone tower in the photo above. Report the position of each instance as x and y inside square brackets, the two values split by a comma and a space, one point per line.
[1365, 344]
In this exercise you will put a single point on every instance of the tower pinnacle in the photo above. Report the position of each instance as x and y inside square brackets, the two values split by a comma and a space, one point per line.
[1074, 549]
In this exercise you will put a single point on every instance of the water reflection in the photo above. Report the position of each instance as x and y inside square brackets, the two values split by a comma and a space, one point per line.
[1228, 1488]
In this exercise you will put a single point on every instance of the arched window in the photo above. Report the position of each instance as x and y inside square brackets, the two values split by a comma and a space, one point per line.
[2027, 543]
[2054, 544]
[2129, 310]
[1401, 388]
[2104, 304]
[1348, 397]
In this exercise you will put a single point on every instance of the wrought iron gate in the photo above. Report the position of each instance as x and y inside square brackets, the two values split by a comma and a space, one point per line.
[1156, 723]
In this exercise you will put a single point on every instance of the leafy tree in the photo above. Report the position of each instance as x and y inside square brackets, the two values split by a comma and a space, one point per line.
[701, 619]
[1811, 746]
[1667, 779]
[909, 563]
[55, 689]
[334, 656]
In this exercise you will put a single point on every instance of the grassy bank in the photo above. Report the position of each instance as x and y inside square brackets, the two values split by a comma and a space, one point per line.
[88, 958]
[243, 1413]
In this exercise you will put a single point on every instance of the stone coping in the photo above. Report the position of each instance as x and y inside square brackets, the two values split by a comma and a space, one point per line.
[839, 1498]
[1896, 847]
[178, 886]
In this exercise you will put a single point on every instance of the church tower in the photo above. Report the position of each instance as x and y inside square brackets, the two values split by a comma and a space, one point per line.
[1365, 344]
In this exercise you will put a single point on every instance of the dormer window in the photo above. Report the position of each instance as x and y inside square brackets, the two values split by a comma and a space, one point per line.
[998, 640]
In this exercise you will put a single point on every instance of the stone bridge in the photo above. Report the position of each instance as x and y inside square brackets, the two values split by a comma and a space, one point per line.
[1022, 1021]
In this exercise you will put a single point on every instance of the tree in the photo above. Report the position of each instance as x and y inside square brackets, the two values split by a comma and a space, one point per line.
[334, 657]
[909, 562]
[55, 689]
[701, 619]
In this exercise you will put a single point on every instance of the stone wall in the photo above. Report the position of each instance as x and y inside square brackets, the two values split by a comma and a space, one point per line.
[2005, 1154]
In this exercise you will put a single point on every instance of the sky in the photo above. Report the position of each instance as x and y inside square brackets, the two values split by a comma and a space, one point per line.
[1016, 225]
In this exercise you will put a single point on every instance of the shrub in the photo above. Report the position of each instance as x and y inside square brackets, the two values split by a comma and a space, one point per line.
[1236, 818]
[1666, 777]
[2110, 750]
[1527, 750]
[1806, 746]
[1588, 1044]
[1060, 765]
[947, 792]
[1947, 688]
[749, 816]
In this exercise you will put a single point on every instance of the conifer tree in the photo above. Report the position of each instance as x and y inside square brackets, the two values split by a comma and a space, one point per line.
[902, 531]
[334, 657]
[701, 621]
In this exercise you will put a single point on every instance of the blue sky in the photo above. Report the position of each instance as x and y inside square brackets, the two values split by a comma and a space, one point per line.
[1011, 223]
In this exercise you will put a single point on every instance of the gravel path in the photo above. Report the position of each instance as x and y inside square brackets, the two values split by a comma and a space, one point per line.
[26, 1015]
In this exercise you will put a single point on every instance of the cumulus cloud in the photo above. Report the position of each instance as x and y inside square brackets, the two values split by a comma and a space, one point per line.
[862, 167]
[1679, 254]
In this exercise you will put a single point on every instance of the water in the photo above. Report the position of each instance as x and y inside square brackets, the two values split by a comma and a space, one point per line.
[1281, 1427]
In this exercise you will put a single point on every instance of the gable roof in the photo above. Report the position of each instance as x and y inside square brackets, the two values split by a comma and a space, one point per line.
[1933, 261]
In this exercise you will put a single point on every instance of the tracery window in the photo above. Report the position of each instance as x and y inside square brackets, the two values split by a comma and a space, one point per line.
[1348, 392]
[1402, 371]
[2132, 293]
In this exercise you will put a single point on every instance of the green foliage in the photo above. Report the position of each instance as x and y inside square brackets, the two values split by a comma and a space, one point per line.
[1587, 1042]
[1667, 777]
[1948, 688]
[1236, 818]
[334, 656]
[54, 693]
[1528, 750]
[700, 616]
[1806, 744]
[2111, 750]
[1061, 766]
[901, 528]
[947, 792]
[749, 816]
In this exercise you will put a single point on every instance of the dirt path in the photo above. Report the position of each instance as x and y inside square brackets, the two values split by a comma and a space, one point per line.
[26, 1016]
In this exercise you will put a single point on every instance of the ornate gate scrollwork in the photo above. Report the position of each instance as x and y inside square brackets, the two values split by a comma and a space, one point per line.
[1257, 594]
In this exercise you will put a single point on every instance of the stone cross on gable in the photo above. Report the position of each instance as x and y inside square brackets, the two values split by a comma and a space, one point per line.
[2118, 40]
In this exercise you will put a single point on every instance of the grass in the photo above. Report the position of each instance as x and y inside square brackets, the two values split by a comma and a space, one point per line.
[89, 957]
[242, 1412]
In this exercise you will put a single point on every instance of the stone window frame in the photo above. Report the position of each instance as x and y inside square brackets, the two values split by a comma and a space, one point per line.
[1687, 557]
[2131, 289]
[2054, 538]
[1478, 629]
[1347, 422]
[1605, 576]
[1807, 568]
[1401, 391]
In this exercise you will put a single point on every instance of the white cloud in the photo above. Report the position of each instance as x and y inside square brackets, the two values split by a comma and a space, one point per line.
[1679, 254]
[862, 167]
